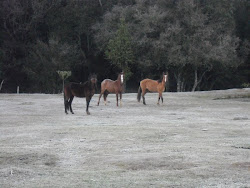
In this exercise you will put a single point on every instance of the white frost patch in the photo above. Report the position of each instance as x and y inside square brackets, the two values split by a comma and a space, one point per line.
[191, 139]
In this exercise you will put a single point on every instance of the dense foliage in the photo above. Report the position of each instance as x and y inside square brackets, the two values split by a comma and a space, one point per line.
[203, 44]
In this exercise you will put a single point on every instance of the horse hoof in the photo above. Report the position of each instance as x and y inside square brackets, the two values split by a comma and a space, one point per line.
[88, 113]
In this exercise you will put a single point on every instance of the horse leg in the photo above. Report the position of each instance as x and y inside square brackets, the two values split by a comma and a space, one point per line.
[99, 98]
[66, 102]
[105, 95]
[70, 102]
[139, 94]
[66, 105]
[116, 99]
[159, 98]
[87, 104]
[143, 93]
[121, 99]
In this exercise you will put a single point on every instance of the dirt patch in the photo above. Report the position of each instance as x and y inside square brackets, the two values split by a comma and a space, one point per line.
[240, 118]
[242, 147]
[155, 163]
[12, 159]
[244, 165]
[26, 103]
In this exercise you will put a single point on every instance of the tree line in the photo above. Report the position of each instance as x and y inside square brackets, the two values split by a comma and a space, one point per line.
[203, 45]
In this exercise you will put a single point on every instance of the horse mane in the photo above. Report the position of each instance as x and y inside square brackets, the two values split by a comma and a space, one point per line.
[119, 75]
[80, 85]
[159, 81]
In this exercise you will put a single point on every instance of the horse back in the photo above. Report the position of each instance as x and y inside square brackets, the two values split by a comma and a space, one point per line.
[151, 85]
[77, 90]
[109, 85]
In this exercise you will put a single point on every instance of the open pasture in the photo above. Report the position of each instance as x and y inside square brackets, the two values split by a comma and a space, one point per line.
[199, 139]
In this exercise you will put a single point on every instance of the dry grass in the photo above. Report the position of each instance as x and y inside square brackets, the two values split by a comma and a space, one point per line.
[189, 141]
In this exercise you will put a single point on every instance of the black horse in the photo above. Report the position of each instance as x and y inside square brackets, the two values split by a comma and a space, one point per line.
[71, 90]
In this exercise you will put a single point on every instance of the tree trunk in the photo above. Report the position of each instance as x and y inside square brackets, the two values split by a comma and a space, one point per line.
[178, 80]
[195, 80]
[63, 87]
[183, 85]
[1, 85]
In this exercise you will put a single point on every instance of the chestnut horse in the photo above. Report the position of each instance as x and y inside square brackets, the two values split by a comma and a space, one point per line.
[110, 86]
[152, 86]
[71, 90]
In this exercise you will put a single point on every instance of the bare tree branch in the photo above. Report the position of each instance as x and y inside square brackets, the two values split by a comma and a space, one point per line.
[1, 84]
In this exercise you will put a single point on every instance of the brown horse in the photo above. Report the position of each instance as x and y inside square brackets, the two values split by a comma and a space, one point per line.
[110, 86]
[152, 86]
[71, 90]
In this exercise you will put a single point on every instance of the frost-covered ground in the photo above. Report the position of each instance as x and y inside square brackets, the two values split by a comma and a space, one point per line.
[192, 140]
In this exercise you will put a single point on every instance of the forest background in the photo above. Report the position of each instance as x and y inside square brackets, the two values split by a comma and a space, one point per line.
[202, 44]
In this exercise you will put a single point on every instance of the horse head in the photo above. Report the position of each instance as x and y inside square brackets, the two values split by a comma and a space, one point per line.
[165, 77]
[121, 77]
[93, 79]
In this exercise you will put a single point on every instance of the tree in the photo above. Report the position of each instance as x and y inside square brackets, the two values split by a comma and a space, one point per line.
[119, 49]
[64, 75]
[181, 36]
[21, 27]
[198, 41]
[193, 41]
[43, 62]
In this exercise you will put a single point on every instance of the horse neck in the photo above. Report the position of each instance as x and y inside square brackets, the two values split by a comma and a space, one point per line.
[92, 84]
[119, 79]
[163, 80]
[87, 83]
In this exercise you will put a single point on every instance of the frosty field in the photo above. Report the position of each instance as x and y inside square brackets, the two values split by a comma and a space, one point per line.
[199, 139]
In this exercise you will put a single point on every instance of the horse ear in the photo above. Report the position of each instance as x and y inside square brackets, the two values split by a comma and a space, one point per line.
[92, 75]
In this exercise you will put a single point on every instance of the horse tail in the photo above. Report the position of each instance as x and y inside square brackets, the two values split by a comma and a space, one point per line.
[139, 94]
